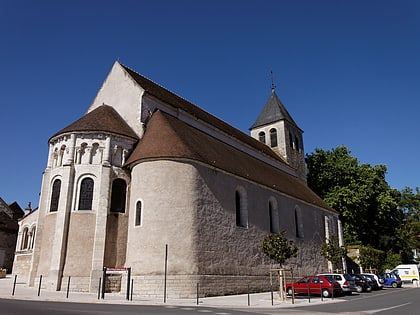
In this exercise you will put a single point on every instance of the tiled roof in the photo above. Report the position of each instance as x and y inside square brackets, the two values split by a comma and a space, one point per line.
[176, 101]
[167, 137]
[273, 111]
[102, 119]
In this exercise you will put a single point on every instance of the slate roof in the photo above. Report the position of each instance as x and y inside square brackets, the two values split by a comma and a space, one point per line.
[102, 119]
[273, 111]
[167, 137]
[176, 101]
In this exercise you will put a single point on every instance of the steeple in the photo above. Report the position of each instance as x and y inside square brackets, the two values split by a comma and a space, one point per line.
[275, 127]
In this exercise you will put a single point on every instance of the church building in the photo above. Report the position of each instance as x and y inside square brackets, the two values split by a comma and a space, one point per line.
[148, 180]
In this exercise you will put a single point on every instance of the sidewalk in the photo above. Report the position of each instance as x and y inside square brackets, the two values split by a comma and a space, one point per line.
[254, 300]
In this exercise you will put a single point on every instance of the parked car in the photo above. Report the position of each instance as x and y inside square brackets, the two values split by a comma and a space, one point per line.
[376, 283]
[344, 279]
[315, 285]
[362, 284]
[391, 279]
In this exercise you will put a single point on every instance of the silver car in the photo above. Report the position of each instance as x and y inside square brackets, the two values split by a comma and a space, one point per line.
[344, 279]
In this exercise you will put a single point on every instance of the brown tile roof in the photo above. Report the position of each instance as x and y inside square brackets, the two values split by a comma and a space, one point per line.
[167, 137]
[176, 101]
[102, 119]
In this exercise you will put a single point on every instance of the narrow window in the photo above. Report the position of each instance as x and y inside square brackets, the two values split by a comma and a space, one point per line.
[297, 143]
[298, 223]
[55, 195]
[33, 230]
[261, 136]
[119, 189]
[273, 137]
[138, 213]
[86, 194]
[274, 216]
[241, 211]
[290, 140]
[25, 239]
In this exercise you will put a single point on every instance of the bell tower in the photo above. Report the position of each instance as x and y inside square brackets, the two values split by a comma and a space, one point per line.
[277, 129]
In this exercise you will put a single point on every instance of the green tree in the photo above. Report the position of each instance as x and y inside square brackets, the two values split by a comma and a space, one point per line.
[409, 231]
[367, 205]
[278, 248]
[332, 251]
[371, 258]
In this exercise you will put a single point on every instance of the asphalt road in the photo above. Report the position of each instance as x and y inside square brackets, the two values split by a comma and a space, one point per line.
[404, 301]
[398, 301]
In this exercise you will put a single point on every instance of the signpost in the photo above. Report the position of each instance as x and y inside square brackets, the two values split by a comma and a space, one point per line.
[117, 271]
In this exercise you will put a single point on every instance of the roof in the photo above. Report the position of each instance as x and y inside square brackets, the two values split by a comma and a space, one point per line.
[167, 137]
[102, 119]
[273, 111]
[7, 223]
[178, 102]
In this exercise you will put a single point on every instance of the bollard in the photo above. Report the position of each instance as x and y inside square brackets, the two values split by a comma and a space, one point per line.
[14, 286]
[166, 273]
[320, 290]
[249, 298]
[197, 293]
[99, 288]
[39, 287]
[68, 288]
[272, 297]
[132, 286]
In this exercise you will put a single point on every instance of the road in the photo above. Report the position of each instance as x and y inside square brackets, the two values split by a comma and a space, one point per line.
[404, 301]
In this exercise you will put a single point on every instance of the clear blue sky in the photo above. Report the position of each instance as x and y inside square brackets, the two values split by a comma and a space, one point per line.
[347, 71]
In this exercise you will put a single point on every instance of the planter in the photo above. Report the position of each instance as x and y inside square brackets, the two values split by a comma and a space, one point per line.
[3, 273]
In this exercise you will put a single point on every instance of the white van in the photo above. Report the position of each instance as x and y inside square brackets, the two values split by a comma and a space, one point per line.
[407, 272]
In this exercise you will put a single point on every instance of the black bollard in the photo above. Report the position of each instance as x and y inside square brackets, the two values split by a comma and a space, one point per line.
[39, 287]
[68, 287]
[14, 285]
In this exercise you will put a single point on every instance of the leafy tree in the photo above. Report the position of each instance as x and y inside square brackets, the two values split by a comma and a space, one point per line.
[278, 248]
[371, 258]
[367, 205]
[332, 251]
[409, 231]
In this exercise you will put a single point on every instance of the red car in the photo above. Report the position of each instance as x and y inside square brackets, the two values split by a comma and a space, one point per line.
[315, 285]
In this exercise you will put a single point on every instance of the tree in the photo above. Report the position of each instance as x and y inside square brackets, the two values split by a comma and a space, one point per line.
[371, 258]
[367, 205]
[278, 248]
[332, 251]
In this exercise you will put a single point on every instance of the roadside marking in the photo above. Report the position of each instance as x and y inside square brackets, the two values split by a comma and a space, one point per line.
[205, 311]
[385, 309]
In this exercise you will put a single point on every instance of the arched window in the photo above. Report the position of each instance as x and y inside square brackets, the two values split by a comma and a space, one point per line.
[261, 136]
[298, 223]
[25, 239]
[297, 143]
[273, 137]
[119, 190]
[86, 194]
[138, 213]
[274, 216]
[290, 140]
[33, 230]
[241, 208]
[55, 195]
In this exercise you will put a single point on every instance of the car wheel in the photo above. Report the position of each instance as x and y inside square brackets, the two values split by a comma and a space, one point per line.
[394, 285]
[325, 293]
[359, 288]
[368, 289]
[289, 291]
